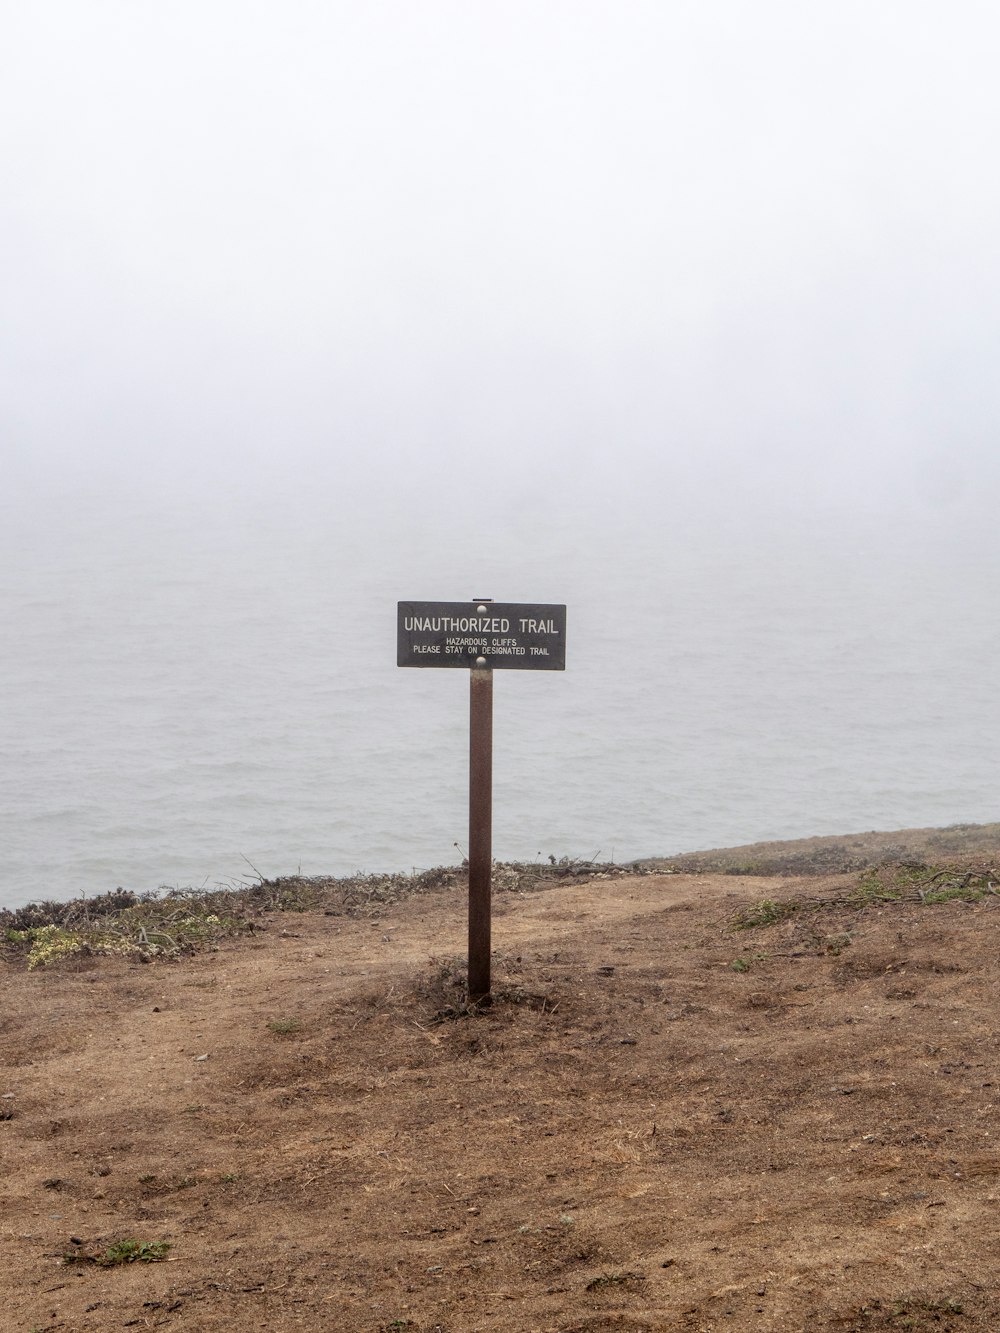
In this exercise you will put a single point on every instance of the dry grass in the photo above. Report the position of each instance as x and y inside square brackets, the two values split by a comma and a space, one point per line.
[634, 1136]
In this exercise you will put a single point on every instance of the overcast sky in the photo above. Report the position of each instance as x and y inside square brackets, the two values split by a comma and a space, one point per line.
[387, 251]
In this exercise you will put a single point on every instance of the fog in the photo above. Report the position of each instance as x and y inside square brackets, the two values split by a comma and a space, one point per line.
[682, 314]
[407, 260]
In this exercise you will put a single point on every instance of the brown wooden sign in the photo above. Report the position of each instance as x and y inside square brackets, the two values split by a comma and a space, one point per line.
[521, 636]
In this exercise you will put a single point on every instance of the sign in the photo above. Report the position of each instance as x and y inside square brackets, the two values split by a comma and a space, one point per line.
[481, 635]
[522, 636]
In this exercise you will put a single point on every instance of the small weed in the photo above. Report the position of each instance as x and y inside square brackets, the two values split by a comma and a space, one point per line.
[766, 913]
[874, 886]
[615, 1279]
[230, 1178]
[122, 1252]
[740, 965]
[835, 944]
[134, 1251]
[284, 1027]
[947, 895]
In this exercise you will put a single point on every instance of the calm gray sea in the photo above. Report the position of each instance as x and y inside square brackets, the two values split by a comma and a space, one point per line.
[190, 691]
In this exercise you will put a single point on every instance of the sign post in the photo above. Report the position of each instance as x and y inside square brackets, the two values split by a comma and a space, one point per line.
[481, 636]
[480, 830]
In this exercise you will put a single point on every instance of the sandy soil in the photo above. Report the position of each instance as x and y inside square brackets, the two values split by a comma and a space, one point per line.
[637, 1136]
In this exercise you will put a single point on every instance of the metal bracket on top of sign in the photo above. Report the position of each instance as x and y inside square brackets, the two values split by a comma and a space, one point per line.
[481, 636]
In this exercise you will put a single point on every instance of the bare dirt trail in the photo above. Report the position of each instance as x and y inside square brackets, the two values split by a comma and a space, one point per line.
[661, 1124]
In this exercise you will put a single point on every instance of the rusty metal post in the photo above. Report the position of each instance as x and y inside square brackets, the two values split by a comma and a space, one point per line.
[480, 830]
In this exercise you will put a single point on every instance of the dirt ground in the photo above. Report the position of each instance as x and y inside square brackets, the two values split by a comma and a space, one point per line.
[662, 1123]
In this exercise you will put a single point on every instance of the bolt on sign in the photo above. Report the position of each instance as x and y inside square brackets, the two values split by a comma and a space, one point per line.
[481, 636]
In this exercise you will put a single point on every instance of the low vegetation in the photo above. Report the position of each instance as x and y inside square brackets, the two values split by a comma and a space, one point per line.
[911, 882]
[121, 1252]
[842, 855]
[173, 922]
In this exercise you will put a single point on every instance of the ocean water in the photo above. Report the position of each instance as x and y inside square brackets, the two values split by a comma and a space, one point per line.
[195, 693]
